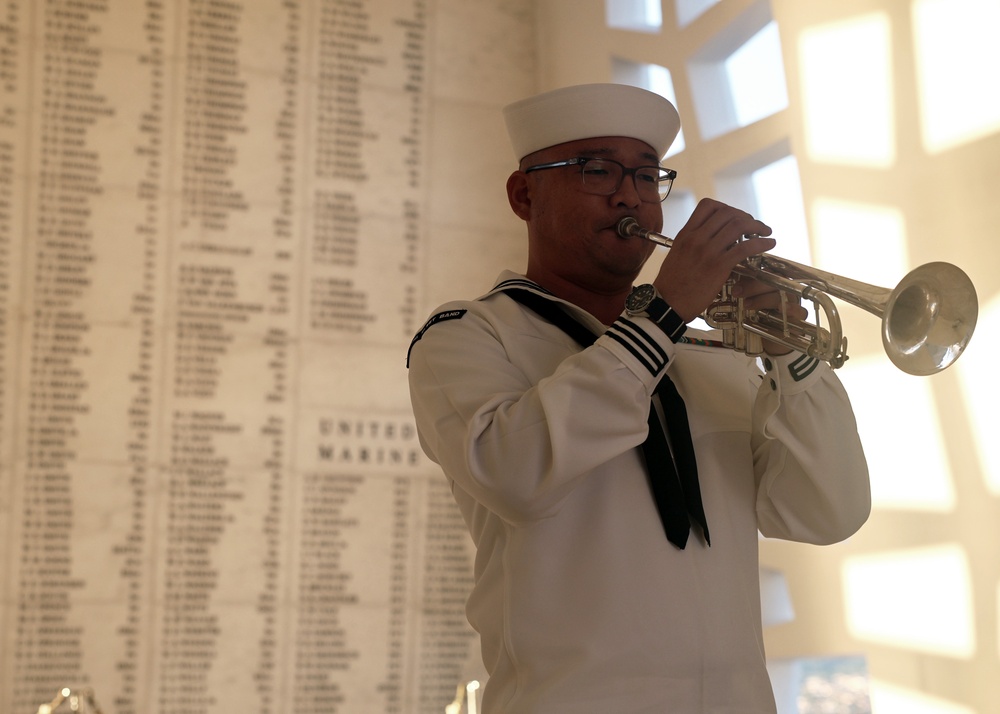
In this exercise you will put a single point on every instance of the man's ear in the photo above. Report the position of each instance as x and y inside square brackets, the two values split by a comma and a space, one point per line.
[518, 195]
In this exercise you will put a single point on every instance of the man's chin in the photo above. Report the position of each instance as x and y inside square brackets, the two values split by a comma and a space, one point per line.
[626, 269]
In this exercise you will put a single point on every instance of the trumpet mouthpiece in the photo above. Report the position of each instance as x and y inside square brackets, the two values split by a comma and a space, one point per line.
[628, 227]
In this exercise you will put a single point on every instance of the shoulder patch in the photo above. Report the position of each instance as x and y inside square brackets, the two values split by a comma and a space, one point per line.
[440, 317]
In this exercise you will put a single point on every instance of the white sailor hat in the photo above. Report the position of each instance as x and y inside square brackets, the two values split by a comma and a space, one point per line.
[590, 110]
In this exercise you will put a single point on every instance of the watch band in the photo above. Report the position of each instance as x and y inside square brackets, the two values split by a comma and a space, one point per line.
[646, 301]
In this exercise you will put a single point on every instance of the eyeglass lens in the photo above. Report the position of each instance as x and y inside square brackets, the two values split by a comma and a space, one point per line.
[605, 177]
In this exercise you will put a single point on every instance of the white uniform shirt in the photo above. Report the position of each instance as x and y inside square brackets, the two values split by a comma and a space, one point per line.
[581, 603]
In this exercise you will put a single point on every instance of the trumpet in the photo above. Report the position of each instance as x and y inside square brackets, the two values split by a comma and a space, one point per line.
[927, 319]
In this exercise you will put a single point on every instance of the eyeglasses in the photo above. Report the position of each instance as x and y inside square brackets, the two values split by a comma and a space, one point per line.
[604, 177]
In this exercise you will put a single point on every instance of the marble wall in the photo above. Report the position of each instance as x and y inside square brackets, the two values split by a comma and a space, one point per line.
[222, 221]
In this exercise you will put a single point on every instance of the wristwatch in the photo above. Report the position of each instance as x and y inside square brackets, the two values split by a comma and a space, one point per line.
[646, 301]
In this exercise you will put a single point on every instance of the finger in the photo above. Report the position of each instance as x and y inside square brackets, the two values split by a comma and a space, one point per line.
[715, 218]
[743, 249]
[734, 227]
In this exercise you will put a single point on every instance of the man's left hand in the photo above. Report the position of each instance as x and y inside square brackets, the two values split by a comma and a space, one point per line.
[760, 296]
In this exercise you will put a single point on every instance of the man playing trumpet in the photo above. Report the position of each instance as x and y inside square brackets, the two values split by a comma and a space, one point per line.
[613, 467]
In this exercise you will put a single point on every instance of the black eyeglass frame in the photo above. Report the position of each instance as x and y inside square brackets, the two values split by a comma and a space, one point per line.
[668, 174]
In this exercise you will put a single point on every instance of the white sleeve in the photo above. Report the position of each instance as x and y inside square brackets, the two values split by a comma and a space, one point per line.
[812, 476]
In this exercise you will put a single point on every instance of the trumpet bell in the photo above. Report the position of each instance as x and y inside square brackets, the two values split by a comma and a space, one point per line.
[929, 318]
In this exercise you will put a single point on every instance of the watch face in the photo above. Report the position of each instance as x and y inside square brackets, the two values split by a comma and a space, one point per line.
[640, 297]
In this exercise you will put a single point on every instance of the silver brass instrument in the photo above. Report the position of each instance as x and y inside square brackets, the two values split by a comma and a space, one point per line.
[927, 319]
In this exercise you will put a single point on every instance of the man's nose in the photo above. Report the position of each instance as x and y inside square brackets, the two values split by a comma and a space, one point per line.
[627, 193]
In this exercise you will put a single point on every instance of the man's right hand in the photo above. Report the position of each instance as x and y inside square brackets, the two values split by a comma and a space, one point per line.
[704, 253]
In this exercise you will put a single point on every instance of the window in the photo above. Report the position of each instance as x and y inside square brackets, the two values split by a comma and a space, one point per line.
[690, 10]
[756, 78]
[637, 15]
[738, 77]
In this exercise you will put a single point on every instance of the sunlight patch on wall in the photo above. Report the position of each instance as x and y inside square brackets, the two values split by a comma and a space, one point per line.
[844, 230]
[890, 699]
[776, 600]
[846, 76]
[677, 209]
[778, 192]
[901, 434]
[885, 594]
[957, 56]
[978, 375]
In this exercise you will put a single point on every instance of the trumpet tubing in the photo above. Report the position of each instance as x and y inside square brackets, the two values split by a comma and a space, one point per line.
[927, 319]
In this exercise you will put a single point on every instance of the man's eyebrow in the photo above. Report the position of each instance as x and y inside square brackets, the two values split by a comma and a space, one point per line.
[596, 151]
[608, 152]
